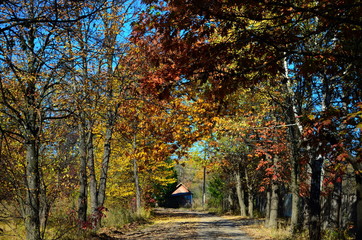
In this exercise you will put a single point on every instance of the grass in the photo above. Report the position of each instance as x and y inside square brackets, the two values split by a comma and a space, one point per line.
[11, 230]
[255, 228]
[259, 232]
[61, 226]
[11, 224]
[62, 223]
[118, 217]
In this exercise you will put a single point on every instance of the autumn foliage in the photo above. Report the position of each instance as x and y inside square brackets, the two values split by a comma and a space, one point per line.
[104, 103]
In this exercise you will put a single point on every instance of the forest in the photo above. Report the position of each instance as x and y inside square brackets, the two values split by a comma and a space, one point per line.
[105, 106]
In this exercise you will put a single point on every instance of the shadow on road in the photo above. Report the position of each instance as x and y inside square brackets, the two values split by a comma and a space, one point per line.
[184, 224]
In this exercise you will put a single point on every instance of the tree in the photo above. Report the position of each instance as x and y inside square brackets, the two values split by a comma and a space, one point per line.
[259, 37]
[32, 78]
[102, 80]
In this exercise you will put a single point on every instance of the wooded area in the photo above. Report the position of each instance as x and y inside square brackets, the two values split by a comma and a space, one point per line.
[104, 104]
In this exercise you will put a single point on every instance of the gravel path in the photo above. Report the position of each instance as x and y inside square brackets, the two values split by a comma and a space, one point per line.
[213, 227]
[184, 224]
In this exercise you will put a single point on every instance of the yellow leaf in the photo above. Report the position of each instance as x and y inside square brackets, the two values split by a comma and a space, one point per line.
[311, 117]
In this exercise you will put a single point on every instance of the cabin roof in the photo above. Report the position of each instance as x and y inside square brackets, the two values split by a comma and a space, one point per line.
[181, 189]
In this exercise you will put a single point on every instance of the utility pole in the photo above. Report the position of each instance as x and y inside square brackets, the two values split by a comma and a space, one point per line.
[135, 175]
[204, 180]
[204, 190]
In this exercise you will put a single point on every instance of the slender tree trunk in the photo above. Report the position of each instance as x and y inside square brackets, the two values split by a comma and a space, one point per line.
[314, 201]
[230, 201]
[82, 199]
[204, 189]
[32, 207]
[295, 139]
[240, 194]
[251, 205]
[295, 130]
[250, 194]
[339, 204]
[83, 178]
[111, 25]
[267, 208]
[357, 167]
[93, 191]
[32, 117]
[327, 212]
[335, 204]
[137, 186]
[274, 202]
[136, 179]
[104, 168]
[45, 206]
[359, 205]
[294, 185]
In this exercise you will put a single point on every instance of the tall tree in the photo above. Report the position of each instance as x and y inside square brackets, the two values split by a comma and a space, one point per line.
[32, 78]
[259, 36]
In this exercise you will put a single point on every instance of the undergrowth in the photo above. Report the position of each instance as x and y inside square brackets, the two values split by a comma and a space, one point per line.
[62, 223]
[118, 217]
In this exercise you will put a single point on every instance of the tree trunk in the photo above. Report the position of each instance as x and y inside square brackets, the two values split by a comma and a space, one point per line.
[357, 167]
[45, 206]
[314, 201]
[359, 205]
[92, 180]
[274, 202]
[136, 179]
[32, 207]
[335, 204]
[294, 186]
[294, 136]
[110, 38]
[240, 194]
[137, 186]
[251, 205]
[204, 189]
[295, 129]
[230, 202]
[250, 194]
[104, 168]
[83, 178]
[82, 199]
[267, 208]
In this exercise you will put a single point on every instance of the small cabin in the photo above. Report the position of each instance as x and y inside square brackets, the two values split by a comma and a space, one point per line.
[181, 197]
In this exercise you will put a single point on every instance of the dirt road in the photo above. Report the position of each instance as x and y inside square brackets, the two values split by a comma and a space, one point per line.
[184, 224]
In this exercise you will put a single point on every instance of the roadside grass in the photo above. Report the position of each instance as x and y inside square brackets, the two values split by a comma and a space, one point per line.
[215, 210]
[119, 217]
[260, 232]
[11, 230]
[255, 228]
[118, 220]
[62, 223]
[11, 223]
